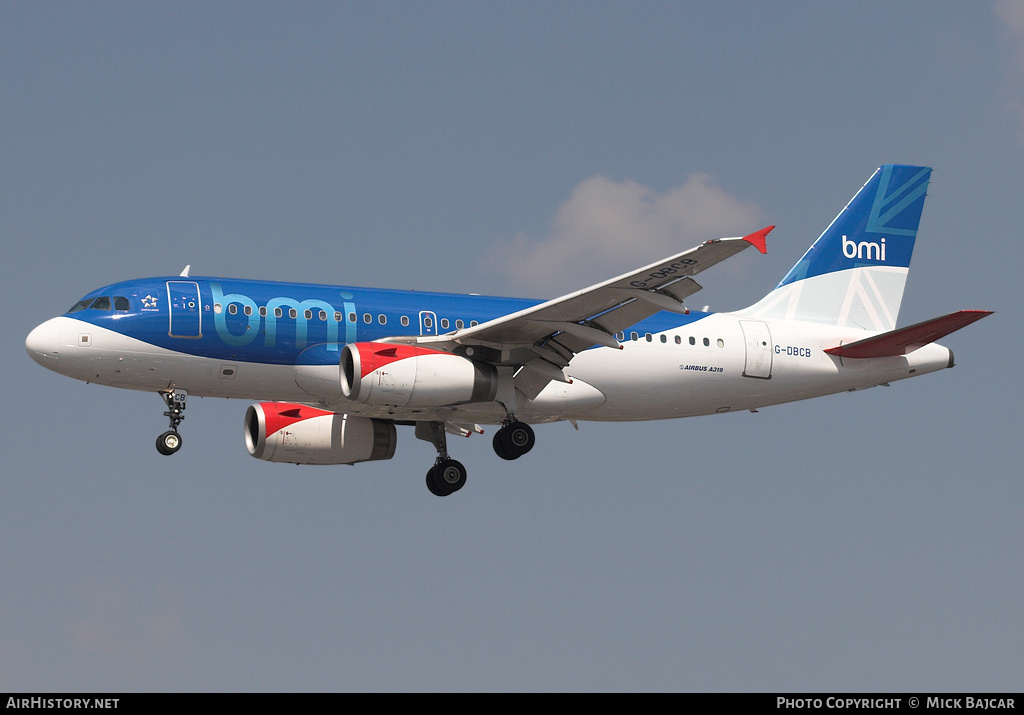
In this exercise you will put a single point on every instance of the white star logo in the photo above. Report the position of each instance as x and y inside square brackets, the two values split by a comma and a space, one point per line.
[149, 302]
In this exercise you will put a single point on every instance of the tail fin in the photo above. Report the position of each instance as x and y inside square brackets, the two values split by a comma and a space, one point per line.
[855, 272]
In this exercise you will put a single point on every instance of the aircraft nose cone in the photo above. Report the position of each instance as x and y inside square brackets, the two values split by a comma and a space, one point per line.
[43, 343]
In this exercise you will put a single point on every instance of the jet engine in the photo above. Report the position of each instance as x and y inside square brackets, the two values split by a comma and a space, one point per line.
[283, 432]
[412, 376]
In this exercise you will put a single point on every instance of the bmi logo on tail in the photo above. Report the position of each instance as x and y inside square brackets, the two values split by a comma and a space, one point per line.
[864, 249]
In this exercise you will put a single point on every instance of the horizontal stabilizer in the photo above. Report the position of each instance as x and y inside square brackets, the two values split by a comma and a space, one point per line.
[907, 340]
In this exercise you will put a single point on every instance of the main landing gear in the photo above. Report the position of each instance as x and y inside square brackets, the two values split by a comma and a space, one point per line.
[447, 476]
[170, 441]
[514, 439]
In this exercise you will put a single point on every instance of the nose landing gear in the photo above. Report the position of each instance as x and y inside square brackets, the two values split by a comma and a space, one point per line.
[170, 441]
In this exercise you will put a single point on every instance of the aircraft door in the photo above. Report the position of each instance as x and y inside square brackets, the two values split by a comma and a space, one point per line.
[428, 322]
[758, 344]
[185, 308]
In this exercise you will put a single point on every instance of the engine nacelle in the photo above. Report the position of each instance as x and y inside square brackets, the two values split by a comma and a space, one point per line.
[283, 432]
[411, 376]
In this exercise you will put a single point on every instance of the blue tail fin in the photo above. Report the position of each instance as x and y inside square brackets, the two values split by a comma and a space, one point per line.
[854, 274]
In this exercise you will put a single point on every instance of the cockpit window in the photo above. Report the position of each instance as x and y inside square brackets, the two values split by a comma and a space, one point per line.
[102, 303]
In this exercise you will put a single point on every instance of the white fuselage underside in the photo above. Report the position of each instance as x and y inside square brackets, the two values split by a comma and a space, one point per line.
[734, 363]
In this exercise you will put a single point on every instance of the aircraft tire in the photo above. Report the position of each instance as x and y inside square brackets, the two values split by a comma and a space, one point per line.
[501, 446]
[520, 437]
[432, 485]
[514, 440]
[447, 476]
[168, 443]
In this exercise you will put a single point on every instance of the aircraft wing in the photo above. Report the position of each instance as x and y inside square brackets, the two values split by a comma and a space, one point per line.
[544, 338]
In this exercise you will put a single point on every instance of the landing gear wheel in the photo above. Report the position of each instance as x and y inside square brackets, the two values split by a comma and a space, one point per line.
[431, 485]
[514, 440]
[446, 477]
[501, 447]
[520, 437]
[168, 443]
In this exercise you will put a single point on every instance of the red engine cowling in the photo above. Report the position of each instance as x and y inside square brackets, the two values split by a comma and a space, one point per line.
[283, 432]
[411, 376]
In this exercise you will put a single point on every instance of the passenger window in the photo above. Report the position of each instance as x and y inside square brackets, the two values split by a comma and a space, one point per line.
[232, 308]
[427, 323]
[120, 303]
[218, 308]
[679, 340]
[367, 318]
[444, 323]
[247, 310]
[706, 342]
[278, 312]
[382, 319]
[263, 311]
[634, 336]
[292, 313]
[351, 317]
[693, 341]
[664, 339]
[721, 343]
[337, 316]
[648, 337]
[323, 315]
[473, 323]
[459, 325]
[405, 320]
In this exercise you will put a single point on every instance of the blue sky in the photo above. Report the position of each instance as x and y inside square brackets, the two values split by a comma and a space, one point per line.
[866, 541]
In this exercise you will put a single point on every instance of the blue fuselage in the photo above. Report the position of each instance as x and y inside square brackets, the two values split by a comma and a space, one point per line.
[289, 323]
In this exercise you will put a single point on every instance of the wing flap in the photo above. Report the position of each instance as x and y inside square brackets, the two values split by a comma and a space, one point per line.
[681, 290]
[906, 340]
[622, 316]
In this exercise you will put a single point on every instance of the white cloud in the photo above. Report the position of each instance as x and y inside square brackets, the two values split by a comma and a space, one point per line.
[117, 633]
[1010, 14]
[608, 227]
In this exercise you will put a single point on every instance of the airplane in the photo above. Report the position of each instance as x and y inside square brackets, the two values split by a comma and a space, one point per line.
[335, 369]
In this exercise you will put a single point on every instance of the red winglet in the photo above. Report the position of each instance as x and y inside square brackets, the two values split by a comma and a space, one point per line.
[758, 239]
